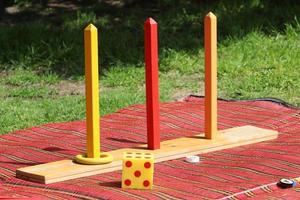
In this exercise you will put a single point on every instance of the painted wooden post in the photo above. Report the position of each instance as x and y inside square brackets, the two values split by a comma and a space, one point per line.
[210, 43]
[92, 91]
[93, 155]
[152, 94]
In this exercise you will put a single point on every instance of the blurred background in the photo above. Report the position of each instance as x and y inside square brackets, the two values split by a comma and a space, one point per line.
[41, 53]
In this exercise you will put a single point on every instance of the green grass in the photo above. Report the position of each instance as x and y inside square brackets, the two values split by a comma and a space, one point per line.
[258, 50]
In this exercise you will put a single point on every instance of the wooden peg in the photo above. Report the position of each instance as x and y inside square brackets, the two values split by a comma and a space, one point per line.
[210, 43]
[92, 91]
[152, 94]
[93, 156]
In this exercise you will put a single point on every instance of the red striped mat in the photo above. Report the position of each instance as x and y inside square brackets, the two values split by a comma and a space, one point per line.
[238, 173]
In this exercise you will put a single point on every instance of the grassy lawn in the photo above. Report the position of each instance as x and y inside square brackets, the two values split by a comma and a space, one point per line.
[41, 55]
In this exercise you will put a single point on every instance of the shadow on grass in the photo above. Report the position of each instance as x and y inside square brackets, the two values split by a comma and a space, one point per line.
[48, 36]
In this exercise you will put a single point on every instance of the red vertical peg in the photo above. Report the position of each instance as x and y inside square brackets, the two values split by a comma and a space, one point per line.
[152, 95]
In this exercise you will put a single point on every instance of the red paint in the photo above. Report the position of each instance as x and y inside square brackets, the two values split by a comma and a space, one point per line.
[146, 183]
[137, 173]
[147, 165]
[128, 163]
[127, 182]
[152, 94]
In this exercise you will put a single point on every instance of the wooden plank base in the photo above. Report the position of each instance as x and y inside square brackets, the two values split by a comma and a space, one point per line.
[170, 149]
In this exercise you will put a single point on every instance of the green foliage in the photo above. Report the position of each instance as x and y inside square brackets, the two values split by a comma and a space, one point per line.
[21, 77]
[258, 52]
[20, 113]
[267, 66]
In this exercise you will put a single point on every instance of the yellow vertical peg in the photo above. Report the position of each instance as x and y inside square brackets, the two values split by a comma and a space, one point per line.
[91, 91]
[93, 155]
[210, 43]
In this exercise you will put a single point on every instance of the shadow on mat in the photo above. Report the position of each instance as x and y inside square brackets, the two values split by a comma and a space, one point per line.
[53, 149]
[123, 140]
[114, 184]
[23, 163]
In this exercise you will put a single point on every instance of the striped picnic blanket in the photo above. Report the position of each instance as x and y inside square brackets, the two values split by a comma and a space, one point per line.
[249, 171]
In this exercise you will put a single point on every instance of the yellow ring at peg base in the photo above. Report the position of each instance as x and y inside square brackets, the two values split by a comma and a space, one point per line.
[104, 159]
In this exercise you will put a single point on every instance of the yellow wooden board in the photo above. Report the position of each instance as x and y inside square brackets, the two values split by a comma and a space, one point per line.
[170, 149]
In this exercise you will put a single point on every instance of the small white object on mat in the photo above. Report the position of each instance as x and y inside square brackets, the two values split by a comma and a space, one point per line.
[192, 159]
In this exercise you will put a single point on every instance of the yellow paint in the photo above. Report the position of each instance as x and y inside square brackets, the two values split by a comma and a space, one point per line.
[103, 159]
[297, 180]
[210, 33]
[93, 155]
[138, 160]
[92, 91]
